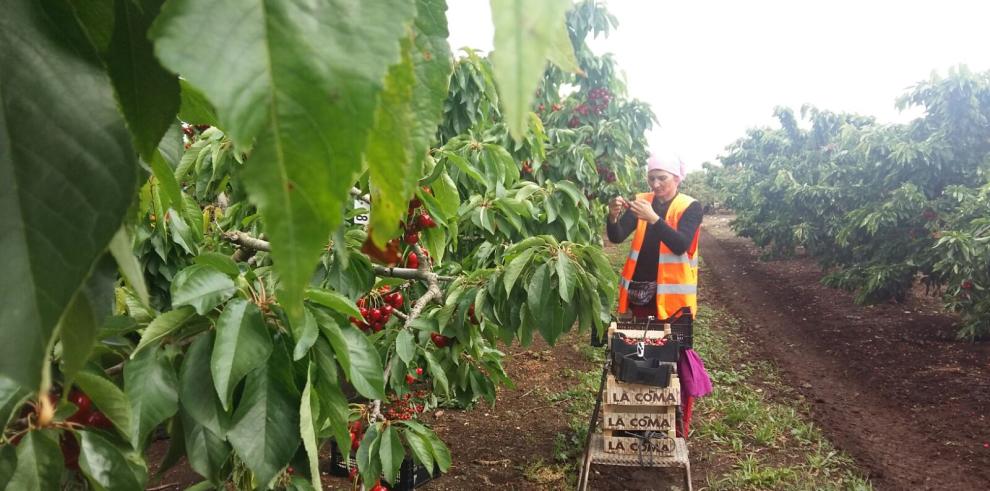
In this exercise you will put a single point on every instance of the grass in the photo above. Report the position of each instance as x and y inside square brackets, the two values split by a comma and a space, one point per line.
[763, 442]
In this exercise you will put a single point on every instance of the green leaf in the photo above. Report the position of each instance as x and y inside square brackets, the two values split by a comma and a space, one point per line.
[367, 455]
[205, 451]
[171, 193]
[565, 276]
[182, 234]
[308, 406]
[515, 268]
[393, 168]
[421, 449]
[12, 396]
[202, 287]
[365, 372]
[127, 262]
[436, 371]
[441, 454]
[331, 330]
[8, 462]
[243, 344]
[78, 330]
[197, 395]
[147, 93]
[264, 430]
[405, 346]
[334, 301]
[219, 261]
[332, 400]
[305, 335]
[108, 467]
[151, 385]
[525, 35]
[39, 463]
[433, 66]
[67, 176]
[194, 108]
[391, 453]
[163, 325]
[539, 286]
[292, 75]
[109, 399]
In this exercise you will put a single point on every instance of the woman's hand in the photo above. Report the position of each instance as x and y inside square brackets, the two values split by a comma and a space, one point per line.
[644, 211]
[616, 207]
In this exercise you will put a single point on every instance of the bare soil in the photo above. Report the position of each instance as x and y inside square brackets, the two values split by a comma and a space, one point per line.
[889, 384]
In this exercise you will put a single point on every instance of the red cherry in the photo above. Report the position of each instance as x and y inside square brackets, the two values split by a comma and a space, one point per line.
[426, 221]
[360, 302]
[966, 285]
[419, 370]
[98, 420]
[376, 315]
[355, 440]
[439, 339]
[387, 310]
[411, 238]
[397, 300]
[364, 312]
[385, 289]
[410, 379]
[415, 203]
[412, 261]
[70, 450]
[378, 326]
[290, 470]
[379, 487]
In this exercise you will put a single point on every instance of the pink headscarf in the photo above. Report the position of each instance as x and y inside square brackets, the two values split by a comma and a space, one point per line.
[666, 161]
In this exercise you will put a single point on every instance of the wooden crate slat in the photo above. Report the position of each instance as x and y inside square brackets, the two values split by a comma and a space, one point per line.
[623, 394]
[657, 446]
[636, 418]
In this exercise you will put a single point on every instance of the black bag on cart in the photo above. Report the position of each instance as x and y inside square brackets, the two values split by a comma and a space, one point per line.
[651, 367]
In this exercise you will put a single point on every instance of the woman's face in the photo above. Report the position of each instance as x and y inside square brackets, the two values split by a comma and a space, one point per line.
[662, 183]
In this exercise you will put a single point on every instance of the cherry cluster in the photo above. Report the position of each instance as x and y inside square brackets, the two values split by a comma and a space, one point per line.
[596, 104]
[647, 341]
[526, 168]
[416, 220]
[190, 130]
[377, 308]
[607, 175]
[407, 406]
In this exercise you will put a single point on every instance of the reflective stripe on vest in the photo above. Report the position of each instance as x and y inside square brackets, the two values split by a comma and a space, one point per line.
[677, 289]
[674, 258]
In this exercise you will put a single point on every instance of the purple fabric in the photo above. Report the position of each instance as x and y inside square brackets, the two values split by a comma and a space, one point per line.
[694, 378]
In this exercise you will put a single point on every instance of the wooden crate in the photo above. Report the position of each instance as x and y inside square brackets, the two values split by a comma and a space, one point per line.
[664, 446]
[635, 418]
[623, 394]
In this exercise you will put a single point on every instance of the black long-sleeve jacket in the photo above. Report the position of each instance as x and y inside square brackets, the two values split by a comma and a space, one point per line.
[649, 255]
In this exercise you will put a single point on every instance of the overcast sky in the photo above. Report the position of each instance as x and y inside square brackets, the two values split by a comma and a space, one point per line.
[712, 69]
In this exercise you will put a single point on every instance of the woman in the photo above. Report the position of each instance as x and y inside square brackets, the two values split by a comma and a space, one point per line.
[660, 277]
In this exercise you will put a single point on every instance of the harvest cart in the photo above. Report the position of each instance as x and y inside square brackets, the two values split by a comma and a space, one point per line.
[640, 390]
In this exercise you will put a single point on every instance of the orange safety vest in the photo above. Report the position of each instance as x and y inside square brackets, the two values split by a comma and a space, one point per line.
[677, 275]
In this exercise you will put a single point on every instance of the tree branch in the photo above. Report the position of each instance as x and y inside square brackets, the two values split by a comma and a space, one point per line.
[244, 240]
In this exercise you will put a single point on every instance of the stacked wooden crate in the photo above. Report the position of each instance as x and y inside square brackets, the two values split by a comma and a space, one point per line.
[640, 419]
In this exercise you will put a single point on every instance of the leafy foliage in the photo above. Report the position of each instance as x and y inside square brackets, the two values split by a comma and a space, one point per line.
[881, 206]
[253, 315]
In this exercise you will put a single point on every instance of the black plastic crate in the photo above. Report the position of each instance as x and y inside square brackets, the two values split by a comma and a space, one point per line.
[411, 474]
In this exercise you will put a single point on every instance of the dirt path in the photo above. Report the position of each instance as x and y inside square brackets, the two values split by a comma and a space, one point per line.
[888, 383]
